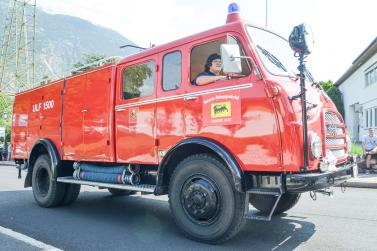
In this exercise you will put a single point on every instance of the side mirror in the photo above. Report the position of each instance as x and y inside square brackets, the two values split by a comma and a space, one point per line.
[231, 59]
[301, 39]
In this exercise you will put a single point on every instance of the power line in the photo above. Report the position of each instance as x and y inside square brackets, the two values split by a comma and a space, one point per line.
[17, 61]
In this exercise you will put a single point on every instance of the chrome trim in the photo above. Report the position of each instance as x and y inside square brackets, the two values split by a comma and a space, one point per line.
[334, 134]
[184, 96]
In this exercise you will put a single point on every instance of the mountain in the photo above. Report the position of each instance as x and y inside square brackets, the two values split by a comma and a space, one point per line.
[62, 40]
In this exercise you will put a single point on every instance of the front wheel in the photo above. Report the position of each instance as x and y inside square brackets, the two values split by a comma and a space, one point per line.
[204, 201]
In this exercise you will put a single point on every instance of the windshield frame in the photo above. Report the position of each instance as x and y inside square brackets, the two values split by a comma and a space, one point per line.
[289, 73]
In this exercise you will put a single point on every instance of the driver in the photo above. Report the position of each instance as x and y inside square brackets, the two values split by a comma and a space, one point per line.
[212, 71]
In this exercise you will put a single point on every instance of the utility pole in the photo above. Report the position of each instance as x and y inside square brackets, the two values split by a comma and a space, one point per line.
[266, 11]
[17, 59]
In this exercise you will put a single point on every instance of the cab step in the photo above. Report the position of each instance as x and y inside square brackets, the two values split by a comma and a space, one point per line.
[276, 192]
[264, 191]
[138, 188]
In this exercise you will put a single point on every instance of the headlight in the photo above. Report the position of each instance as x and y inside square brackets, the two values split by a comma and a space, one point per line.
[316, 145]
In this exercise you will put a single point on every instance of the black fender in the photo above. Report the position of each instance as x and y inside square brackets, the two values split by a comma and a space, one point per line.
[229, 160]
[43, 146]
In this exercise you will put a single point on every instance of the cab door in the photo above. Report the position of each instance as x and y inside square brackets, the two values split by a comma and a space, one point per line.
[236, 112]
[170, 105]
[135, 111]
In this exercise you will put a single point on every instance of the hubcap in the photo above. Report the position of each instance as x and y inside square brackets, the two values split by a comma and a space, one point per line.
[201, 199]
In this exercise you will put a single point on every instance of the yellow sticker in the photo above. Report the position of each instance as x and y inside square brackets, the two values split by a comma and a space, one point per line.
[221, 109]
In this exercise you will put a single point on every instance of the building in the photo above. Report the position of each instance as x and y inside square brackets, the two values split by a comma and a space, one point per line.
[359, 87]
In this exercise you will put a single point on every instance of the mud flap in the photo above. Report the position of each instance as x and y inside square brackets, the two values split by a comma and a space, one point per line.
[28, 180]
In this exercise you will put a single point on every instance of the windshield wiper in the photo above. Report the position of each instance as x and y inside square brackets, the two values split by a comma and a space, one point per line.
[272, 58]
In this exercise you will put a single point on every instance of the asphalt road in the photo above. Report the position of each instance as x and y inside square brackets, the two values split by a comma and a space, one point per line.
[98, 221]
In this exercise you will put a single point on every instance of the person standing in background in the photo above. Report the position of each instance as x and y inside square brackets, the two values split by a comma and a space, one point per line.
[369, 145]
[9, 151]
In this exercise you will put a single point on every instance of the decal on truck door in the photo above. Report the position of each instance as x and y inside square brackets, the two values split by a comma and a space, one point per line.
[222, 108]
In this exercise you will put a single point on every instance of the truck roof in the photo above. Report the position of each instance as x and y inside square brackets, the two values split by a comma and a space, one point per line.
[68, 77]
[160, 48]
[232, 26]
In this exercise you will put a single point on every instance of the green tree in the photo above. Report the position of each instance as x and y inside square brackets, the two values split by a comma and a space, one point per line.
[88, 59]
[334, 93]
[135, 77]
[6, 109]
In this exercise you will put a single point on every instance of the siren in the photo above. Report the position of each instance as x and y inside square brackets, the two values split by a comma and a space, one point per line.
[233, 13]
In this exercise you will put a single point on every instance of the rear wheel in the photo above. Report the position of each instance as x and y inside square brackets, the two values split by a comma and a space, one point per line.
[120, 192]
[47, 192]
[264, 203]
[203, 199]
[72, 191]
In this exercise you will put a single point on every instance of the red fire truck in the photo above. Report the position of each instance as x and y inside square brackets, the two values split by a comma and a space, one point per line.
[261, 135]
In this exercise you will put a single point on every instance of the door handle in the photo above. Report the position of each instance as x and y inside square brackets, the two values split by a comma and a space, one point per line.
[84, 110]
[191, 98]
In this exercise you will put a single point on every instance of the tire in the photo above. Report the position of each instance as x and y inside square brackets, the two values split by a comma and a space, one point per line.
[72, 191]
[203, 200]
[120, 192]
[47, 192]
[264, 203]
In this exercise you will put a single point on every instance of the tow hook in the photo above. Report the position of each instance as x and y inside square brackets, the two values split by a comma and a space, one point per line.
[328, 192]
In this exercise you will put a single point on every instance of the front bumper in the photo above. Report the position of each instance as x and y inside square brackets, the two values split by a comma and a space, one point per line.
[305, 182]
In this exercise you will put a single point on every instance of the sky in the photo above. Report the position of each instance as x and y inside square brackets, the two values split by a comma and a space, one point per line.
[342, 28]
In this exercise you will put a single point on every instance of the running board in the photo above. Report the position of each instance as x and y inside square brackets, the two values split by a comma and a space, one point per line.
[137, 188]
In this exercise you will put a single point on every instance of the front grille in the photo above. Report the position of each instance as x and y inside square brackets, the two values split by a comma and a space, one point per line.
[331, 141]
[331, 117]
[335, 133]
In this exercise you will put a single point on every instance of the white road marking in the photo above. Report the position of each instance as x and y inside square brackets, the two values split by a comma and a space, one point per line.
[27, 239]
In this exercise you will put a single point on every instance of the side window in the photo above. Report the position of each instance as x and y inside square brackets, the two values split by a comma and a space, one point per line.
[200, 54]
[246, 68]
[172, 71]
[138, 80]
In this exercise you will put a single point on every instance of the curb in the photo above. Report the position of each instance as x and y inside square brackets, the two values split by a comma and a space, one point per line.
[7, 163]
[358, 184]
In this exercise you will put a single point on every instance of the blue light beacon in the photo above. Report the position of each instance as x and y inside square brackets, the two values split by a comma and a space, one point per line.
[233, 13]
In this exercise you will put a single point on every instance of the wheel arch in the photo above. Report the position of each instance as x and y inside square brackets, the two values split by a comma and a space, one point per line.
[191, 146]
[43, 146]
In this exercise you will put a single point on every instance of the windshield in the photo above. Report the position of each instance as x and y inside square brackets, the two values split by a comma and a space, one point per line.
[274, 51]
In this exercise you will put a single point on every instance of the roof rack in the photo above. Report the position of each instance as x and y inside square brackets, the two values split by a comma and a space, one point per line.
[95, 64]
